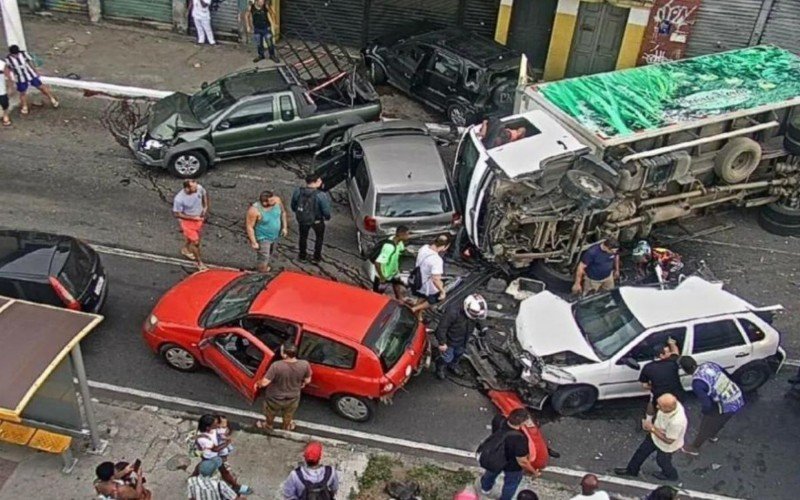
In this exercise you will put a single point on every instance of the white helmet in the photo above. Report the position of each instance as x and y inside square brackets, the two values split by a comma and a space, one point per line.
[475, 306]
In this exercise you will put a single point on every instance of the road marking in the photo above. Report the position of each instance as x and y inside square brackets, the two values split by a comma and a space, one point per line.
[151, 257]
[375, 438]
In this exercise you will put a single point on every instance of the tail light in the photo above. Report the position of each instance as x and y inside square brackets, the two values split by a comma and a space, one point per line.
[387, 387]
[370, 224]
[64, 295]
[456, 219]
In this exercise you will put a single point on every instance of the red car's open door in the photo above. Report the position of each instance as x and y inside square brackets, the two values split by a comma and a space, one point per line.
[237, 356]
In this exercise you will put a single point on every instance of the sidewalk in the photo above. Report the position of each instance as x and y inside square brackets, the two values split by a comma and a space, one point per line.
[159, 438]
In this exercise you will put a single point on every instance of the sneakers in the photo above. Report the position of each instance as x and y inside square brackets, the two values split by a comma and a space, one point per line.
[624, 472]
[259, 58]
[245, 490]
[275, 58]
[663, 477]
[55, 102]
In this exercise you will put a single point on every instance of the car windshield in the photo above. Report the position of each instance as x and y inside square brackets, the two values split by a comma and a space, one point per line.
[413, 204]
[607, 323]
[391, 333]
[77, 271]
[210, 101]
[234, 301]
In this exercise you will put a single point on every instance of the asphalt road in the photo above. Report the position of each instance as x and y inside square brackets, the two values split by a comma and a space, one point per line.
[60, 172]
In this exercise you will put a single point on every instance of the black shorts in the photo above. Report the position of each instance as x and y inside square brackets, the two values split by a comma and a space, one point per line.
[3, 100]
[432, 299]
[378, 285]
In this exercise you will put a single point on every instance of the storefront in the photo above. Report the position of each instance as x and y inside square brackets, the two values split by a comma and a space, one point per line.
[139, 10]
[68, 6]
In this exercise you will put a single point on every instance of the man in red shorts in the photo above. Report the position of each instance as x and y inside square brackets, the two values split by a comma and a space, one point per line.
[190, 208]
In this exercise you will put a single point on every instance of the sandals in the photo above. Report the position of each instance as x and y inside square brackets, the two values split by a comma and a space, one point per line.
[290, 427]
[55, 102]
[262, 425]
[189, 255]
[24, 110]
[6, 121]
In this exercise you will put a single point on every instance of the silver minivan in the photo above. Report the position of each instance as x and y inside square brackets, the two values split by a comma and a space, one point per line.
[394, 176]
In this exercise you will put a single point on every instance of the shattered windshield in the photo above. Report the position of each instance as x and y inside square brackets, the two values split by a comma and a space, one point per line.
[607, 323]
[210, 101]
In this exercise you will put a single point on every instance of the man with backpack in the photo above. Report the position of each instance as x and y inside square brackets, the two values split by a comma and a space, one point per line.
[385, 256]
[506, 452]
[311, 480]
[426, 279]
[312, 208]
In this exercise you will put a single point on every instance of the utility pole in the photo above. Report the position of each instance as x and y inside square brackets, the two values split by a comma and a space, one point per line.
[12, 23]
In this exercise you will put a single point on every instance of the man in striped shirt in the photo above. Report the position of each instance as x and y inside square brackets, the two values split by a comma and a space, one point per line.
[19, 64]
[205, 487]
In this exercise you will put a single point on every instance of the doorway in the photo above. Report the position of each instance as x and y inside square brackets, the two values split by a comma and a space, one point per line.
[597, 39]
[531, 28]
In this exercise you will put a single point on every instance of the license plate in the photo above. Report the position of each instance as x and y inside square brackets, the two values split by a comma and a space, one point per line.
[98, 288]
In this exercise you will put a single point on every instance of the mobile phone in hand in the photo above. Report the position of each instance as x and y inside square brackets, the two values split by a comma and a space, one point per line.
[137, 464]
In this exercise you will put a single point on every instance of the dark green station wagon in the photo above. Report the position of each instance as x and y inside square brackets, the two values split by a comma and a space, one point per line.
[252, 112]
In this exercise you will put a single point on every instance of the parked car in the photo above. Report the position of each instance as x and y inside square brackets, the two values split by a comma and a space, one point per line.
[452, 70]
[252, 112]
[593, 349]
[362, 346]
[394, 176]
[51, 269]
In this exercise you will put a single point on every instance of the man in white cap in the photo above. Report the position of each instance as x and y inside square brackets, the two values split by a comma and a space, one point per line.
[459, 321]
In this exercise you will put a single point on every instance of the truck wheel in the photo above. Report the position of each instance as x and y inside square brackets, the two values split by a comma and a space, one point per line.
[553, 277]
[377, 75]
[573, 399]
[782, 214]
[459, 115]
[770, 225]
[353, 408]
[586, 189]
[752, 375]
[188, 165]
[793, 129]
[737, 160]
[791, 144]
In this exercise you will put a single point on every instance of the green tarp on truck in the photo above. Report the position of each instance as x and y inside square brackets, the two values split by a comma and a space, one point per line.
[626, 102]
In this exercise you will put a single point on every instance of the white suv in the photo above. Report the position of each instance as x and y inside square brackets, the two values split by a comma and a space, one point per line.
[594, 348]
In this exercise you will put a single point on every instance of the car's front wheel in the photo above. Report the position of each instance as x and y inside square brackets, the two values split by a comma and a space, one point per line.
[355, 408]
[459, 115]
[573, 399]
[179, 358]
[377, 75]
[188, 164]
[752, 375]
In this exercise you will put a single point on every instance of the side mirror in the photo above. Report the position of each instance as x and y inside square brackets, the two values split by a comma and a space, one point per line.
[224, 125]
[630, 363]
[204, 85]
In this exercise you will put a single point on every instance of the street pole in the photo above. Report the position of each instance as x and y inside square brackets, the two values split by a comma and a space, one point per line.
[12, 24]
[88, 411]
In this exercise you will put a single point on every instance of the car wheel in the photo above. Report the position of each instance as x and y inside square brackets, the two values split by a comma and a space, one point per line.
[737, 160]
[459, 115]
[333, 138]
[752, 375]
[573, 400]
[353, 408]
[377, 75]
[586, 189]
[768, 223]
[555, 278]
[179, 358]
[188, 164]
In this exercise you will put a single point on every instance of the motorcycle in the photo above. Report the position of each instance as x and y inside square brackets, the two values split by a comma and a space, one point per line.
[656, 264]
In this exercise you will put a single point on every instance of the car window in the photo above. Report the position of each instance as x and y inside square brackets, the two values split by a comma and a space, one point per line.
[362, 179]
[410, 54]
[238, 349]
[413, 204]
[271, 332]
[234, 301]
[251, 114]
[753, 331]
[446, 66]
[390, 334]
[287, 108]
[716, 335]
[650, 347]
[323, 351]
[606, 322]
[466, 161]
[210, 101]
[473, 78]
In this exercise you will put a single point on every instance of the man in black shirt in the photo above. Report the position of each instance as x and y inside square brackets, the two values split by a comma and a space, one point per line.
[661, 376]
[516, 451]
[257, 17]
[455, 329]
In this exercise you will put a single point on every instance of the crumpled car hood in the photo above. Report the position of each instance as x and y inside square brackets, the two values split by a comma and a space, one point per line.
[170, 115]
[545, 326]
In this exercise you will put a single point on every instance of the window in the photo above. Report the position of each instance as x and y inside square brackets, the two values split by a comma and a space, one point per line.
[287, 108]
[319, 350]
[411, 54]
[715, 336]
[606, 322]
[473, 78]
[239, 350]
[391, 334]
[466, 160]
[754, 333]
[413, 204]
[251, 114]
[447, 67]
[649, 348]
[234, 301]
[362, 179]
[272, 333]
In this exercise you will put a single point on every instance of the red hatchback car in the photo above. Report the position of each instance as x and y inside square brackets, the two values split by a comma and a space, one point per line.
[362, 346]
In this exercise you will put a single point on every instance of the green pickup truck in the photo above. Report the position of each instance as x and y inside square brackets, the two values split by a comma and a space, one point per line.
[252, 112]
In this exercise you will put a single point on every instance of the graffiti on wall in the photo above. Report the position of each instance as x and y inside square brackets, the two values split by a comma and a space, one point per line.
[668, 30]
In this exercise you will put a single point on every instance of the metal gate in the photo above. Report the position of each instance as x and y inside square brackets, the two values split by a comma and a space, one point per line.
[147, 10]
[783, 25]
[69, 6]
[225, 19]
[530, 30]
[723, 25]
[480, 16]
[386, 16]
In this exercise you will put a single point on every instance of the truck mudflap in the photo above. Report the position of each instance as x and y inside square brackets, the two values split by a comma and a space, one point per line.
[506, 402]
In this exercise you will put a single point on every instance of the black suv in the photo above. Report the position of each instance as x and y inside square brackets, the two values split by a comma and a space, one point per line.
[462, 74]
[51, 269]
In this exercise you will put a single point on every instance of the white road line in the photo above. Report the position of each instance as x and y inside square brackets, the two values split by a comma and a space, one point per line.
[344, 434]
[161, 259]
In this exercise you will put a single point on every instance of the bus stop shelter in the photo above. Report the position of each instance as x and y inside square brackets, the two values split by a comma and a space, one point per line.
[44, 394]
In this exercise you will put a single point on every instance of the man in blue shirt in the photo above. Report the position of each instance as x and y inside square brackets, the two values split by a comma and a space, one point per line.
[598, 269]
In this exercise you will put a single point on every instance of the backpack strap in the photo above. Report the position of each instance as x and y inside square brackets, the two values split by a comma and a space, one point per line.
[326, 476]
[299, 472]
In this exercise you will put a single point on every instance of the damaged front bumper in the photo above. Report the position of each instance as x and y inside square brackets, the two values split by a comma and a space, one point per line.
[152, 156]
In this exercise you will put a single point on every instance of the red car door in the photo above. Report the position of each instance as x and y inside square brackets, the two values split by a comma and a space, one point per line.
[237, 356]
[333, 366]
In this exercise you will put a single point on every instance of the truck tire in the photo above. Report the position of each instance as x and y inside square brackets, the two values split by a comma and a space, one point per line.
[586, 189]
[554, 279]
[770, 225]
[573, 399]
[782, 214]
[188, 164]
[793, 129]
[791, 144]
[737, 160]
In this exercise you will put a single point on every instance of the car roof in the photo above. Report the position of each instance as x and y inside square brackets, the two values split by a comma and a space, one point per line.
[404, 163]
[335, 308]
[256, 81]
[480, 50]
[694, 298]
[27, 252]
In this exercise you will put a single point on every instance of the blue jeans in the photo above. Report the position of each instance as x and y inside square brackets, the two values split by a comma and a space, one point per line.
[263, 36]
[510, 482]
[453, 353]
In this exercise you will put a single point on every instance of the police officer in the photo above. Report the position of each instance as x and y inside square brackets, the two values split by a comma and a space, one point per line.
[458, 323]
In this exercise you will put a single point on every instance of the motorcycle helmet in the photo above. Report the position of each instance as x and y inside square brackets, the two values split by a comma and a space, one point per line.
[641, 252]
[475, 307]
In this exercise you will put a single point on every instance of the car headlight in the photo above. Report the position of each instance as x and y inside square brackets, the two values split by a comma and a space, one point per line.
[153, 144]
[151, 323]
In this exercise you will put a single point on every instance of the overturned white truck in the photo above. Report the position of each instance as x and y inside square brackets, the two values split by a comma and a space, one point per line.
[616, 153]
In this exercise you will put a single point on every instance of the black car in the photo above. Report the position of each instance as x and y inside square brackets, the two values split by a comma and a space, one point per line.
[462, 74]
[51, 269]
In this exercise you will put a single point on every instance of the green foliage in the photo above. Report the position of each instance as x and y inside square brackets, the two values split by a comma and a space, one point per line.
[378, 471]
